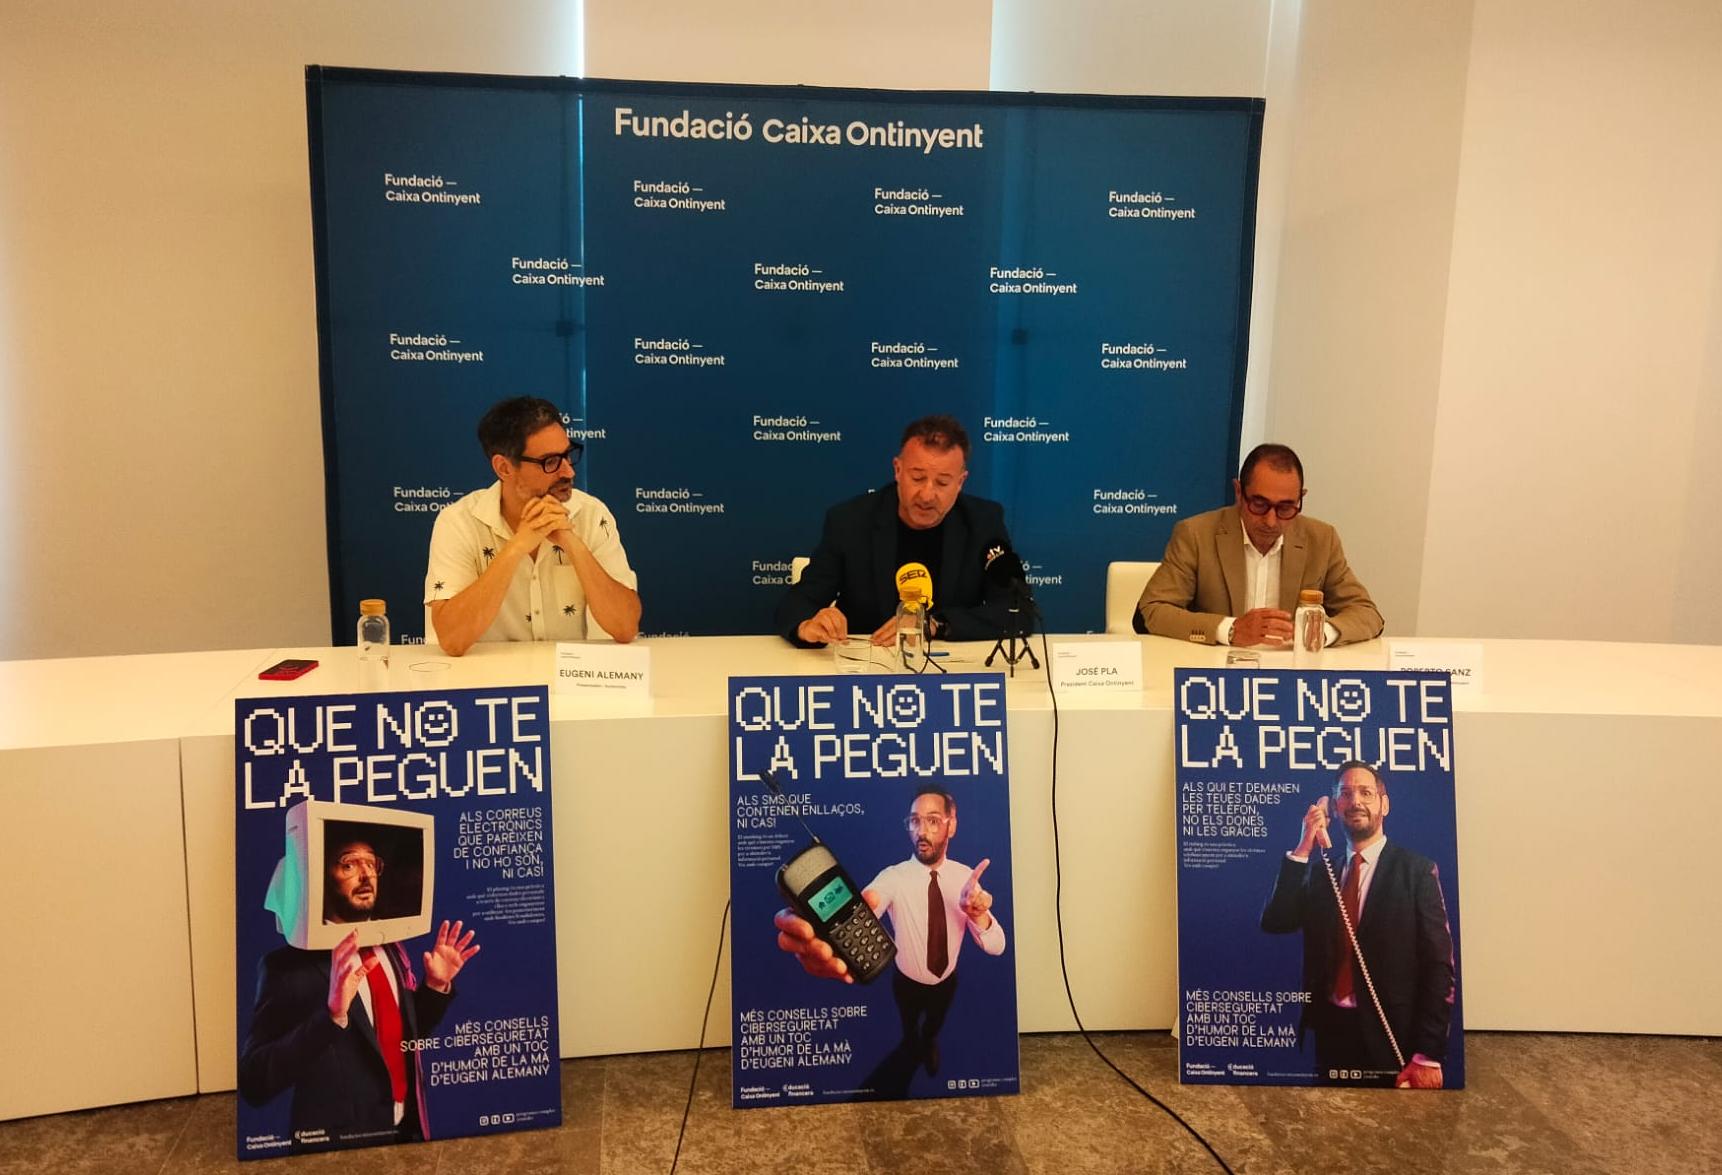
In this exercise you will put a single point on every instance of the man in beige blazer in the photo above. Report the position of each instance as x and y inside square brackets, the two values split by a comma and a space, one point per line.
[1231, 576]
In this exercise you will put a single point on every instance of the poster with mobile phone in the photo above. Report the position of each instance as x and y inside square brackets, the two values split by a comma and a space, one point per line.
[871, 877]
[1318, 879]
[396, 966]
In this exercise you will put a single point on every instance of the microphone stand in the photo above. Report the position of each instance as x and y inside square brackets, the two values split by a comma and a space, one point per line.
[1013, 644]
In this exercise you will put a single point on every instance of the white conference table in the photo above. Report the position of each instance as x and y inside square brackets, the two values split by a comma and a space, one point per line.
[116, 853]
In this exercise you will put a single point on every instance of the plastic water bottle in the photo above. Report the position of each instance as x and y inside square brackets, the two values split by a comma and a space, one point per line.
[1309, 629]
[912, 635]
[373, 645]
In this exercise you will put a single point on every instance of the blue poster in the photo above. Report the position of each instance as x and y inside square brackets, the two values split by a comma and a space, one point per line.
[396, 919]
[1318, 879]
[871, 952]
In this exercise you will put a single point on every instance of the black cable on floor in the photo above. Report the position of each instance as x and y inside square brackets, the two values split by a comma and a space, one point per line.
[1058, 910]
[723, 927]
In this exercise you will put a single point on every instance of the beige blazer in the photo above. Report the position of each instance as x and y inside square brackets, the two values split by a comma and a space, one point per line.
[1201, 579]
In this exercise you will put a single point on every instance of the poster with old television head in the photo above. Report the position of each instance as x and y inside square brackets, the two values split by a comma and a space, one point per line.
[870, 868]
[1318, 879]
[396, 918]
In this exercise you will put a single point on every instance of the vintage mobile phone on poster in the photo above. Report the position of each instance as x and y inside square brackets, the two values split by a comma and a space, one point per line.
[816, 885]
[287, 670]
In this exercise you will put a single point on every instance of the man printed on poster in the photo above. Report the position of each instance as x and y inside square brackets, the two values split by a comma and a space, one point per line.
[1383, 1018]
[931, 902]
[339, 1027]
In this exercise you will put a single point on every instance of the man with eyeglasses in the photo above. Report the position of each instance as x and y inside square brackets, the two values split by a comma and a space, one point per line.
[339, 1027]
[528, 558]
[933, 903]
[1389, 1024]
[1231, 576]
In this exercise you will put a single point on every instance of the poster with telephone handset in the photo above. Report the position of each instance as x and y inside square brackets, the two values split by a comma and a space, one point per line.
[1318, 882]
[871, 877]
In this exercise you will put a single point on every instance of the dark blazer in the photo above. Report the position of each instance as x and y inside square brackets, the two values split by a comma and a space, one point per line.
[1202, 579]
[855, 566]
[339, 1080]
[1404, 938]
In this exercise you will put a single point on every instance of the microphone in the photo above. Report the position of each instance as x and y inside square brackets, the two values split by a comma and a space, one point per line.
[915, 587]
[1003, 569]
[1004, 573]
[914, 602]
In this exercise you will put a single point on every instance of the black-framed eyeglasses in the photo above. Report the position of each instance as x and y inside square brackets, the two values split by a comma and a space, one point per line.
[551, 462]
[351, 864]
[1257, 504]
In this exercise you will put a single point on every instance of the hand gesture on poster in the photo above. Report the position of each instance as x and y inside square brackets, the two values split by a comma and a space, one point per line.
[447, 956]
[795, 936]
[1314, 829]
[347, 969]
[975, 901]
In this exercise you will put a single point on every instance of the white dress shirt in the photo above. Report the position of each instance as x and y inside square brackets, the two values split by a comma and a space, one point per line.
[903, 889]
[1262, 573]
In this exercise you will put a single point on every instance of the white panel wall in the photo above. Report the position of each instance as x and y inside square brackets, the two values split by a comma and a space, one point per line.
[1575, 483]
[1207, 48]
[886, 44]
[1360, 308]
[160, 447]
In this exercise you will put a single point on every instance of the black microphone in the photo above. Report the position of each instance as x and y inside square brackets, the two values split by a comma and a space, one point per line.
[1004, 573]
[1003, 569]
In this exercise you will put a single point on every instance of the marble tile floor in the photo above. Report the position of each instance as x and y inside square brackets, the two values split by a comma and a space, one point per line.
[1567, 1104]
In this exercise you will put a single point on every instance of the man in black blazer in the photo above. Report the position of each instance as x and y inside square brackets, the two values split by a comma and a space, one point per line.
[1400, 919]
[849, 585]
[311, 1030]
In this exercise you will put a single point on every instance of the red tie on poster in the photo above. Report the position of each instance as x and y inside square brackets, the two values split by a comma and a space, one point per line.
[1342, 988]
[938, 946]
[386, 1014]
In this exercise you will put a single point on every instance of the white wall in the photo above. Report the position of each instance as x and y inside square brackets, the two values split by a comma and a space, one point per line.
[1217, 48]
[160, 448]
[1360, 309]
[1575, 487]
[885, 44]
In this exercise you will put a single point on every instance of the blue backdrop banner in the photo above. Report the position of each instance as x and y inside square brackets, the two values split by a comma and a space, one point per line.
[1277, 986]
[893, 796]
[738, 296]
[394, 865]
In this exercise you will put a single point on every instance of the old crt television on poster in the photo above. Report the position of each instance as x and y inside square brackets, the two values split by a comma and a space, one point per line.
[348, 867]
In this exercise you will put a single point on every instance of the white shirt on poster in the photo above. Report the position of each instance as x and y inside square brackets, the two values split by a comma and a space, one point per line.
[902, 888]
